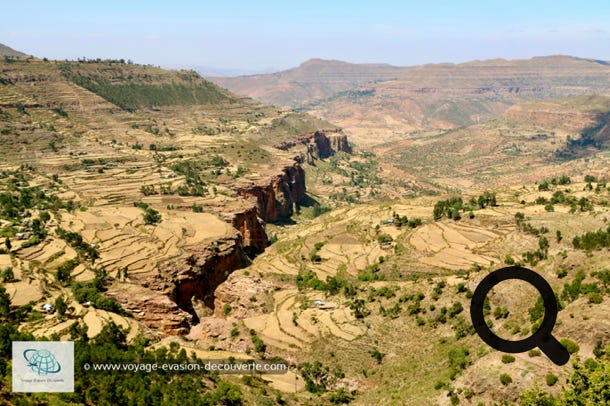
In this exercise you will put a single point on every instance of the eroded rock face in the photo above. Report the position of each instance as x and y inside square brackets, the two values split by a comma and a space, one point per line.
[320, 144]
[338, 142]
[154, 309]
[251, 227]
[197, 274]
[217, 332]
[238, 292]
[276, 197]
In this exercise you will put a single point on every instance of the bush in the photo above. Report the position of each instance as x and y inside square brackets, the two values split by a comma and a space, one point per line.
[507, 359]
[534, 353]
[505, 379]
[384, 238]
[458, 360]
[570, 345]
[152, 216]
[595, 297]
[551, 379]
[439, 385]
[455, 309]
[500, 313]
[377, 355]
[63, 273]
[226, 309]
[340, 396]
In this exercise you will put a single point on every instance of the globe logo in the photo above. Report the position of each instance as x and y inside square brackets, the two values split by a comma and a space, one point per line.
[42, 362]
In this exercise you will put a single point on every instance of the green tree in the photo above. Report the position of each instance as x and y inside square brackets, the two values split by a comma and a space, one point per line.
[7, 274]
[589, 386]
[152, 216]
[536, 397]
[317, 376]
[7, 244]
[60, 307]
[5, 304]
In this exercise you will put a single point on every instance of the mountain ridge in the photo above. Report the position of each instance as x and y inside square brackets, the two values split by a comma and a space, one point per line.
[397, 101]
[8, 51]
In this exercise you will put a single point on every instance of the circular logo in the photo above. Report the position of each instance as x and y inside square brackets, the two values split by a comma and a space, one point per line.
[42, 362]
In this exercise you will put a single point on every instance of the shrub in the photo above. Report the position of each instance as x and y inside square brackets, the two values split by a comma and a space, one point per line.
[458, 360]
[507, 359]
[570, 345]
[340, 396]
[384, 238]
[455, 309]
[534, 353]
[439, 385]
[377, 355]
[595, 297]
[551, 379]
[226, 309]
[505, 379]
[591, 364]
[500, 313]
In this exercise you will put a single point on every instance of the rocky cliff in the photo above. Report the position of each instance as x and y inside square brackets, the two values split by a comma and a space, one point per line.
[276, 196]
[320, 144]
[194, 277]
[154, 309]
[251, 227]
[338, 142]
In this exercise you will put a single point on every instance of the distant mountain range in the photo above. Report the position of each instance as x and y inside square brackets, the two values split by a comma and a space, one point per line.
[394, 100]
[314, 79]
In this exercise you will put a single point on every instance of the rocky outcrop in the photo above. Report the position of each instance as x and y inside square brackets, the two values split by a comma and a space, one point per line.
[320, 144]
[338, 142]
[154, 309]
[276, 196]
[217, 332]
[194, 277]
[238, 292]
[251, 227]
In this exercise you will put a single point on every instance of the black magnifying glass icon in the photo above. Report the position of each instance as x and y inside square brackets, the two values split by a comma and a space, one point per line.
[542, 338]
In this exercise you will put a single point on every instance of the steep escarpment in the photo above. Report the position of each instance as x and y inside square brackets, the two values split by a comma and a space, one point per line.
[194, 276]
[251, 227]
[277, 196]
[338, 142]
[154, 309]
[319, 144]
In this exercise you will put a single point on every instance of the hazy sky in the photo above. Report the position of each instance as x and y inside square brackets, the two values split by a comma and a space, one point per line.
[259, 34]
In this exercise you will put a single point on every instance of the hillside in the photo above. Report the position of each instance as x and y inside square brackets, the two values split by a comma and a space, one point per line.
[8, 51]
[116, 177]
[529, 141]
[315, 79]
[169, 220]
[387, 103]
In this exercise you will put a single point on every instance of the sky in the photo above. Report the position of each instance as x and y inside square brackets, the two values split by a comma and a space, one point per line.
[259, 35]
